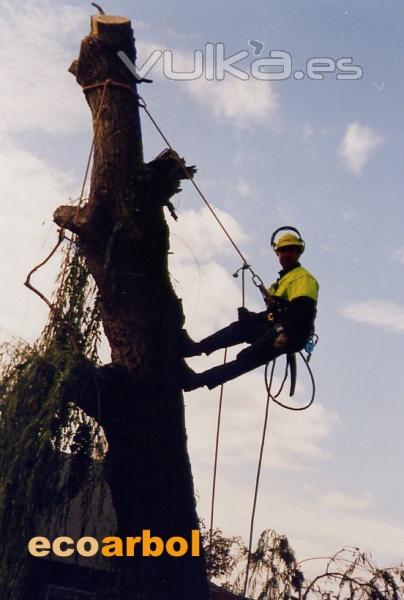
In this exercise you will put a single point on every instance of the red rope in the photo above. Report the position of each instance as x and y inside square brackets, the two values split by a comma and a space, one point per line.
[112, 83]
[104, 85]
[219, 416]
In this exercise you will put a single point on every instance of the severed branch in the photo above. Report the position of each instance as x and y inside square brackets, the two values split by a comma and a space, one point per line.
[98, 7]
[71, 217]
[92, 389]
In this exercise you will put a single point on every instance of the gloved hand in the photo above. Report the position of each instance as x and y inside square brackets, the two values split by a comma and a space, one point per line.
[281, 341]
[243, 313]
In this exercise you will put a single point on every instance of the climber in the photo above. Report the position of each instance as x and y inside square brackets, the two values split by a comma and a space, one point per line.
[284, 327]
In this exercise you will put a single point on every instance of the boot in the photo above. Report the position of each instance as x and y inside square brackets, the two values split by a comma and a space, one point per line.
[189, 379]
[188, 346]
[221, 339]
[218, 375]
[215, 376]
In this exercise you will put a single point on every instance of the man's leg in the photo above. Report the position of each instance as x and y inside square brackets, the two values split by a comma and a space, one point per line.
[259, 353]
[246, 330]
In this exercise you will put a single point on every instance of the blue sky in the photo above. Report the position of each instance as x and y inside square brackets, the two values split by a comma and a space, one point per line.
[325, 156]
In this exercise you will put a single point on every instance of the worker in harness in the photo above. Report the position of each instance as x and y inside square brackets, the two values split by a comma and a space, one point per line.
[284, 327]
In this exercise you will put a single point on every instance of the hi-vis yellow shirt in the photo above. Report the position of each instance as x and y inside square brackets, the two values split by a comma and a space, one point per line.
[294, 284]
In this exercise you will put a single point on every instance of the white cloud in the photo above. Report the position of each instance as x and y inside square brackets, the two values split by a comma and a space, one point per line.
[210, 294]
[294, 440]
[296, 443]
[202, 230]
[31, 190]
[245, 103]
[286, 213]
[167, 32]
[337, 500]
[318, 520]
[329, 248]
[244, 189]
[349, 214]
[308, 131]
[399, 255]
[149, 59]
[351, 522]
[381, 313]
[358, 145]
[36, 91]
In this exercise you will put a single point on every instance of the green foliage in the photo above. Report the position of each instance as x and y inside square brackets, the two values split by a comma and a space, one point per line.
[221, 553]
[273, 569]
[352, 574]
[38, 422]
[275, 575]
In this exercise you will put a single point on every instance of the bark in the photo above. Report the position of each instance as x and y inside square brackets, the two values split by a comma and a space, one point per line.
[124, 237]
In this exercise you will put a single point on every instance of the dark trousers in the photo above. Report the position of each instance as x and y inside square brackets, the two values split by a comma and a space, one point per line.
[255, 330]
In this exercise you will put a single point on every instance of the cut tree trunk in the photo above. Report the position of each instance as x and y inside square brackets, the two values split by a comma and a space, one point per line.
[122, 233]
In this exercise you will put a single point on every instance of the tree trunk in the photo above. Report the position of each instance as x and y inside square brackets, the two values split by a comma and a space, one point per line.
[124, 237]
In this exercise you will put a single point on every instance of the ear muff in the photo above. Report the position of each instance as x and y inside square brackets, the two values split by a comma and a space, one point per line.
[288, 228]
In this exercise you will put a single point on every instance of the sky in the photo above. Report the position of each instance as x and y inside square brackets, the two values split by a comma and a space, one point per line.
[324, 155]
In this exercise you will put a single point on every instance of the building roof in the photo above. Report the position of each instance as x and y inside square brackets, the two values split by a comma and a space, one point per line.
[217, 593]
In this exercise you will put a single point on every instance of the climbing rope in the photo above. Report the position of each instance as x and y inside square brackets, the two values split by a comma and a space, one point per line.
[219, 417]
[97, 121]
[242, 269]
[143, 105]
[256, 279]
[270, 396]
[257, 481]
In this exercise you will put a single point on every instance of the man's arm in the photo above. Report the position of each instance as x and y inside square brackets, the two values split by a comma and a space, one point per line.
[299, 317]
